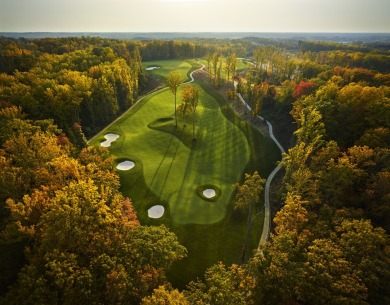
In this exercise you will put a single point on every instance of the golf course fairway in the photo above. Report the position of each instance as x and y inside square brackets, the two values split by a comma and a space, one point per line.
[171, 169]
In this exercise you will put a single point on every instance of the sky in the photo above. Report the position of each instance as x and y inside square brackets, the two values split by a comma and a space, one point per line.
[195, 16]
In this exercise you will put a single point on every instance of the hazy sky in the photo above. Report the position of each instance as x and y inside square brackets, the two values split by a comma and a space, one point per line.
[195, 15]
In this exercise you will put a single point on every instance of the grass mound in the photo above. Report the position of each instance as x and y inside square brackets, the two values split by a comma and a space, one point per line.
[200, 189]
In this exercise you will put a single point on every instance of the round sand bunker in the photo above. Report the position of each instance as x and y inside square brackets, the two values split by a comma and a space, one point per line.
[156, 211]
[125, 165]
[209, 193]
[110, 137]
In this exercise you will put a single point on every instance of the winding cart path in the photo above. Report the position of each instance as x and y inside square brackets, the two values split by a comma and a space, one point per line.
[267, 213]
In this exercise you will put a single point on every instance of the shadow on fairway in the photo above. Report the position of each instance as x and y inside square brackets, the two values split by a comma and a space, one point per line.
[183, 133]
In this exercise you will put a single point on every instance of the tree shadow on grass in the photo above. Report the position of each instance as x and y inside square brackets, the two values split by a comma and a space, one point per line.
[183, 133]
[169, 152]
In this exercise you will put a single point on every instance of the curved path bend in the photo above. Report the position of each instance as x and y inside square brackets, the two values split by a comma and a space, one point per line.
[267, 213]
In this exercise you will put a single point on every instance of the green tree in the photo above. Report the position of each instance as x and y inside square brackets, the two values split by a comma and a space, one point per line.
[230, 65]
[279, 268]
[298, 178]
[330, 278]
[311, 128]
[257, 99]
[191, 93]
[174, 79]
[189, 97]
[367, 250]
[247, 197]
[223, 286]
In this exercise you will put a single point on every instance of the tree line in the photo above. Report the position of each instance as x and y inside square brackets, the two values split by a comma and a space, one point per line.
[84, 88]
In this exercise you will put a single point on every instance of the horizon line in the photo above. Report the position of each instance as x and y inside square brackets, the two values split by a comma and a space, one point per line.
[189, 32]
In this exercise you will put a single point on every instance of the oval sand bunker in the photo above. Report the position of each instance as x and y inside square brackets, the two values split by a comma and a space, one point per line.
[209, 193]
[152, 68]
[156, 211]
[125, 165]
[110, 137]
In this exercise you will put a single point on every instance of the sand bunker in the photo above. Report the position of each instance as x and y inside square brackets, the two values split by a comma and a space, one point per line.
[156, 211]
[151, 68]
[125, 165]
[110, 137]
[209, 193]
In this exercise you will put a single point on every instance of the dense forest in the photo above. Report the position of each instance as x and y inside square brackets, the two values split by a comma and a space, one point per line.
[329, 243]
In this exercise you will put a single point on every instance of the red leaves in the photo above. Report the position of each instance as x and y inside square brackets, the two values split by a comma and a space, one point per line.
[303, 88]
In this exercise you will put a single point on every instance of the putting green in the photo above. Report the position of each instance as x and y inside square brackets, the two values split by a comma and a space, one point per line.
[166, 66]
[172, 170]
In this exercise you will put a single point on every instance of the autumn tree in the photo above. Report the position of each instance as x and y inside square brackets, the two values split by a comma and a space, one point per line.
[174, 79]
[189, 97]
[311, 129]
[230, 65]
[193, 97]
[165, 296]
[302, 88]
[223, 286]
[98, 265]
[247, 197]
[257, 99]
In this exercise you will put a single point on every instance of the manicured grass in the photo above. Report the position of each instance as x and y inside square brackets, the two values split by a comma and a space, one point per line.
[172, 170]
[169, 168]
[241, 65]
[165, 66]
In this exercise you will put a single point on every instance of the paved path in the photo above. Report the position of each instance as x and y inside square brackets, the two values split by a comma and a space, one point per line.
[191, 74]
[267, 213]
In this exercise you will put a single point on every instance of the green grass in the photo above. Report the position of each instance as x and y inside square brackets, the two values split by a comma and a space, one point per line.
[165, 66]
[170, 167]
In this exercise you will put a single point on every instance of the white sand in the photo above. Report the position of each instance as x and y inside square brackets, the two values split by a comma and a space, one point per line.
[209, 193]
[156, 211]
[125, 165]
[110, 137]
[151, 68]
